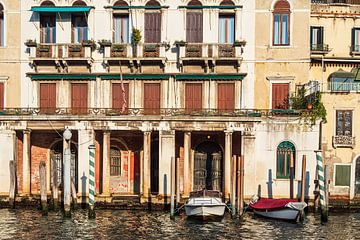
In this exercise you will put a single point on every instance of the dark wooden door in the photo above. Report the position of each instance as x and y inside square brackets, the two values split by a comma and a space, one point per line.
[193, 96]
[194, 27]
[357, 177]
[119, 101]
[152, 98]
[280, 95]
[47, 97]
[226, 96]
[2, 95]
[79, 95]
[152, 27]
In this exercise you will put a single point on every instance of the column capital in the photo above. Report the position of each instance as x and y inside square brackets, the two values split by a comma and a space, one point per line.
[228, 132]
[147, 132]
[106, 132]
[27, 131]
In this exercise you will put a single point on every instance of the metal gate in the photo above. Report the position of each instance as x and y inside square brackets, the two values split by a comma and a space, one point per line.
[357, 177]
[56, 158]
[216, 171]
[200, 172]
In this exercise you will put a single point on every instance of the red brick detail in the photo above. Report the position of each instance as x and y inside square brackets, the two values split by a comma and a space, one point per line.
[19, 141]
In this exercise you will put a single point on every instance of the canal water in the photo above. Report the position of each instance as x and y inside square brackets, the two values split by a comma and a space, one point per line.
[113, 224]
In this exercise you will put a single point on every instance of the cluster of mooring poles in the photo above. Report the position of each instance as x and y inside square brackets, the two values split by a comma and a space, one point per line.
[323, 178]
[237, 186]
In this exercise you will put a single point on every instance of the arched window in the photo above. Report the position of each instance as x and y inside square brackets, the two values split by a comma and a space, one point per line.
[194, 23]
[227, 25]
[285, 159]
[48, 25]
[121, 24]
[2, 26]
[48, 3]
[281, 26]
[152, 23]
[79, 23]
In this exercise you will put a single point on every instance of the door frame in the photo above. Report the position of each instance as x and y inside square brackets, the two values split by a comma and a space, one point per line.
[352, 177]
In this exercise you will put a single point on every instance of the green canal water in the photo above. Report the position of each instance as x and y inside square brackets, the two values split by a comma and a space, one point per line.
[113, 224]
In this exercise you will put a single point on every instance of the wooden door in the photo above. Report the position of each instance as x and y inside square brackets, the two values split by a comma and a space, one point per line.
[226, 97]
[152, 98]
[79, 95]
[194, 27]
[47, 97]
[193, 97]
[120, 99]
[152, 27]
[2, 95]
[280, 95]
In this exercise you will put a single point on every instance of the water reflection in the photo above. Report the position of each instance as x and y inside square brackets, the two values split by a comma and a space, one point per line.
[30, 224]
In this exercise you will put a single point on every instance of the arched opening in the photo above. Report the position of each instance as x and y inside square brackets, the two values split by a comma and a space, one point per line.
[194, 23]
[343, 81]
[285, 159]
[121, 24]
[154, 165]
[281, 23]
[56, 158]
[194, 3]
[152, 3]
[121, 3]
[2, 26]
[47, 3]
[208, 166]
[48, 25]
[80, 30]
[79, 3]
[152, 23]
[227, 3]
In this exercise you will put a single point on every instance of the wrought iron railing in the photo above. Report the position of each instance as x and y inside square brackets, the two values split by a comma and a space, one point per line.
[343, 141]
[319, 48]
[149, 112]
[344, 87]
[355, 2]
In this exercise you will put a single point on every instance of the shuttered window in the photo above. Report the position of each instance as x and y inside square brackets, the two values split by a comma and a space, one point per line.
[316, 38]
[121, 28]
[152, 27]
[2, 95]
[226, 96]
[152, 98]
[344, 123]
[355, 40]
[79, 98]
[79, 28]
[193, 96]
[194, 27]
[120, 98]
[48, 28]
[342, 175]
[47, 97]
[227, 29]
[2, 26]
[283, 159]
[280, 95]
[281, 24]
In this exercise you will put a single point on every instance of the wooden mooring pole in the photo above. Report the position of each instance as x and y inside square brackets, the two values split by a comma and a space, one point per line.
[55, 189]
[67, 183]
[73, 195]
[43, 191]
[323, 188]
[12, 189]
[240, 185]
[172, 199]
[291, 174]
[303, 178]
[177, 182]
[92, 181]
[233, 186]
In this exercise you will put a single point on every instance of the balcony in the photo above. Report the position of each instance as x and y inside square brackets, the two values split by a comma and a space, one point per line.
[336, 87]
[352, 2]
[319, 49]
[343, 141]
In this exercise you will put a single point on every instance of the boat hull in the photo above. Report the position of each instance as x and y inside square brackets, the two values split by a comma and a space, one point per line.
[286, 214]
[204, 211]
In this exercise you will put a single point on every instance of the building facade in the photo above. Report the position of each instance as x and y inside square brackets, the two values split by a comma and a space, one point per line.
[148, 81]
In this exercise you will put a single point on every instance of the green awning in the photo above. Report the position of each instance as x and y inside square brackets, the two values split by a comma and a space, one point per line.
[356, 72]
[210, 77]
[65, 9]
[342, 74]
[135, 76]
[62, 76]
[136, 7]
[212, 7]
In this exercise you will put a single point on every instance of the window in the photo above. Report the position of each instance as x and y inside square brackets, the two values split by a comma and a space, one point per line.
[152, 98]
[343, 123]
[193, 96]
[283, 159]
[48, 28]
[280, 95]
[227, 29]
[317, 38]
[2, 26]
[152, 23]
[194, 24]
[47, 97]
[120, 96]
[342, 175]
[79, 97]
[355, 40]
[226, 96]
[281, 25]
[79, 28]
[2, 95]
[121, 28]
[115, 162]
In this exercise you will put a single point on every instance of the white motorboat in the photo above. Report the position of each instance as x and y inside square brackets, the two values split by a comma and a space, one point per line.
[205, 204]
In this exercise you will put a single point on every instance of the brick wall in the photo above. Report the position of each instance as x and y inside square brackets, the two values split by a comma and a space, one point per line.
[19, 140]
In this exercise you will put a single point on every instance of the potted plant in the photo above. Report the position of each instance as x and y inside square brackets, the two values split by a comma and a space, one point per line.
[89, 43]
[180, 43]
[44, 48]
[30, 43]
[118, 47]
[136, 38]
[166, 45]
[240, 43]
[105, 43]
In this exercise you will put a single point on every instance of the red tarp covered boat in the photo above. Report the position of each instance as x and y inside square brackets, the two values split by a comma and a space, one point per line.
[283, 209]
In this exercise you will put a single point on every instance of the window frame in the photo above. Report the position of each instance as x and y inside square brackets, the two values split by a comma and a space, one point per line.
[116, 15]
[321, 31]
[117, 166]
[335, 172]
[227, 15]
[285, 160]
[73, 28]
[3, 32]
[282, 12]
[353, 46]
[336, 122]
[42, 35]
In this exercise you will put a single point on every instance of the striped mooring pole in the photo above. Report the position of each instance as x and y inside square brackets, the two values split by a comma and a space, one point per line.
[91, 181]
[321, 177]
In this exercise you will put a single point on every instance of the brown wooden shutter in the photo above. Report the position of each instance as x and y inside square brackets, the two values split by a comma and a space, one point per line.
[152, 98]
[152, 27]
[194, 27]
[47, 97]
[226, 96]
[193, 96]
[117, 96]
[2, 95]
[79, 95]
[280, 95]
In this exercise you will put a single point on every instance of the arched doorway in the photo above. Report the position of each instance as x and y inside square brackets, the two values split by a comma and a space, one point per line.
[357, 177]
[154, 165]
[56, 158]
[208, 166]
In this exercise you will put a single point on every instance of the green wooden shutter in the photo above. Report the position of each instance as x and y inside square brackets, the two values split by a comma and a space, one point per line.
[342, 175]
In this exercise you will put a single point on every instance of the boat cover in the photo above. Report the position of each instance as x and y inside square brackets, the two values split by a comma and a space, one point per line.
[267, 203]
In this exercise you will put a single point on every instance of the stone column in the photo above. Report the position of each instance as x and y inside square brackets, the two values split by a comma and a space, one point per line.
[146, 164]
[106, 164]
[167, 152]
[187, 174]
[26, 162]
[227, 163]
[248, 151]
